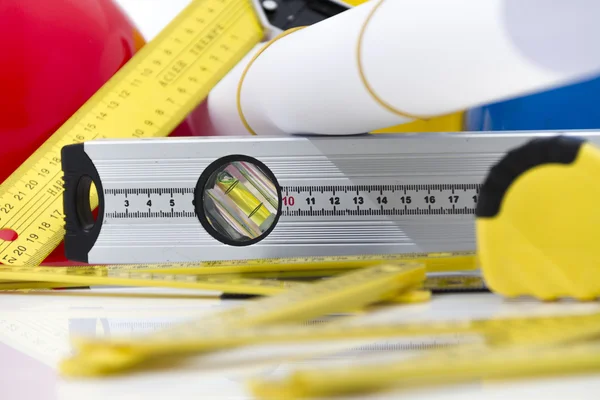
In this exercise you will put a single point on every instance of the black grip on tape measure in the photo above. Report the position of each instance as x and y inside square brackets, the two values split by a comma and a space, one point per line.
[552, 150]
[81, 229]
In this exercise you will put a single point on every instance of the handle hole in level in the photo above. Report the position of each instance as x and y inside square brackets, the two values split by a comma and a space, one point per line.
[86, 193]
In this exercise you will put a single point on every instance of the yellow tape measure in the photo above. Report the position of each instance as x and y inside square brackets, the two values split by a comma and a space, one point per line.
[148, 97]
[533, 240]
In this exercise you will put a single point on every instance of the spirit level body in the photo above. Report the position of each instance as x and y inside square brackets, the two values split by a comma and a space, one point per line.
[356, 195]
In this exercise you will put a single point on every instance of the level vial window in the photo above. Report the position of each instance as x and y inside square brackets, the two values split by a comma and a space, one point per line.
[238, 200]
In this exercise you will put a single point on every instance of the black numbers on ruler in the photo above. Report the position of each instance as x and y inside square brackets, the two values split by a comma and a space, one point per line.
[374, 200]
[44, 226]
[20, 250]
[6, 209]
[54, 161]
[392, 200]
[56, 214]
[149, 202]
[90, 127]
[78, 138]
[430, 199]
[8, 259]
[138, 133]
[152, 203]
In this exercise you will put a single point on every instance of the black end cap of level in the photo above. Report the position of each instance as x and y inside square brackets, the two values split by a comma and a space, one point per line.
[553, 150]
[81, 231]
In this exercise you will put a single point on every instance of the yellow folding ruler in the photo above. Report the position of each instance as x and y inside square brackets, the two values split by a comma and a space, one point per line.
[341, 293]
[434, 263]
[253, 272]
[148, 97]
[85, 276]
[25, 286]
[462, 363]
[276, 319]
[494, 332]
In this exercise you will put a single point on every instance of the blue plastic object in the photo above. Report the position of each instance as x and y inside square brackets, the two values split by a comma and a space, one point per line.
[569, 107]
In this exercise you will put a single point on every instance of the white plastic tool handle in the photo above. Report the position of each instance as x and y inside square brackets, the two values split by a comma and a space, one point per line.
[388, 62]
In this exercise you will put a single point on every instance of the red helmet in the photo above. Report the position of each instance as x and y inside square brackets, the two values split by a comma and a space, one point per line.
[54, 55]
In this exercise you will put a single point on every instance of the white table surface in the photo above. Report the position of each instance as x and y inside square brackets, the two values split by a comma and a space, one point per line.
[36, 328]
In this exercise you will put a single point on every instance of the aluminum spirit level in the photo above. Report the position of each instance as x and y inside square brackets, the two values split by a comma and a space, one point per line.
[219, 198]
